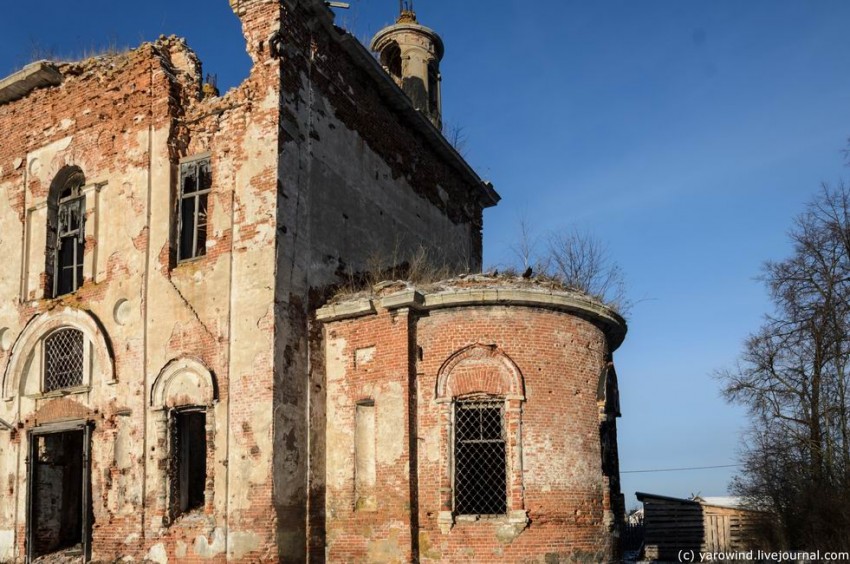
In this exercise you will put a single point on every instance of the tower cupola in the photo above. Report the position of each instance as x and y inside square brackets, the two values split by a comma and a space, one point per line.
[411, 54]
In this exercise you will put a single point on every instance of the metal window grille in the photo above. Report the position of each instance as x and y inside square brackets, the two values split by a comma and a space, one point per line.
[480, 473]
[195, 186]
[63, 360]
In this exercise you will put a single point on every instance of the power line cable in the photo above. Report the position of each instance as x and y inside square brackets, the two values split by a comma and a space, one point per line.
[678, 469]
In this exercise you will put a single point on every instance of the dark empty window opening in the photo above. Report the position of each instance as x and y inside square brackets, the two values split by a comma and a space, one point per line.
[63, 360]
[480, 472]
[391, 59]
[195, 185]
[433, 88]
[188, 461]
[56, 493]
[66, 233]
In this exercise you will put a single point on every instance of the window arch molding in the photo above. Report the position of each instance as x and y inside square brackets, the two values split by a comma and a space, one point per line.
[184, 382]
[485, 372]
[479, 368]
[19, 371]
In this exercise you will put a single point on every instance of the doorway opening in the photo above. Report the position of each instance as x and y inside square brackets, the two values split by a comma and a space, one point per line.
[58, 494]
[188, 461]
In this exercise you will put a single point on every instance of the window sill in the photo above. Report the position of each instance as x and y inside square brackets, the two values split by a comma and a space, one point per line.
[192, 260]
[192, 517]
[59, 393]
[481, 517]
[515, 521]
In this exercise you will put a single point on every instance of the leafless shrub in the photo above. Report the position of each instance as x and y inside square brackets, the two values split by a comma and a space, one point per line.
[581, 261]
[455, 134]
[418, 266]
[575, 259]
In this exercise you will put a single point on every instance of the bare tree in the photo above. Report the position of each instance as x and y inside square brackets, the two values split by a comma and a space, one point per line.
[581, 261]
[576, 259]
[526, 247]
[455, 134]
[793, 378]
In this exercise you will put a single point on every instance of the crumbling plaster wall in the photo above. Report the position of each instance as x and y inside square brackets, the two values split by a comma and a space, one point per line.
[126, 121]
[381, 531]
[371, 184]
[281, 190]
[108, 118]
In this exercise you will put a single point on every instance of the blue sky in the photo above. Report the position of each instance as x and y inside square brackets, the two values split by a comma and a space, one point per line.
[685, 133]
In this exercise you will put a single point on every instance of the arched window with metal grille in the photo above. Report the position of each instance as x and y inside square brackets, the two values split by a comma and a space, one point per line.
[64, 359]
[481, 391]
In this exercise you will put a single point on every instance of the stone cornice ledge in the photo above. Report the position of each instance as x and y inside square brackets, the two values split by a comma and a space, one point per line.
[613, 323]
[413, 299]
[35, 75]
[345, 310]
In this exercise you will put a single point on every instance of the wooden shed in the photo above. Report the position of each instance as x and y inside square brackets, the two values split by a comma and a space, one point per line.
[700, 524]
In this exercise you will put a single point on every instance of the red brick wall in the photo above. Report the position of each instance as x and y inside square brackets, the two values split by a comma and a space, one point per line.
[559, 356]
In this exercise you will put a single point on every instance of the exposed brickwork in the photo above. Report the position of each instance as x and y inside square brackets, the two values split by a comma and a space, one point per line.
[307, 155]
[552, 425]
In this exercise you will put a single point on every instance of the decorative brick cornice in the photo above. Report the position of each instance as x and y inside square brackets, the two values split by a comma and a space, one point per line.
[563, 301]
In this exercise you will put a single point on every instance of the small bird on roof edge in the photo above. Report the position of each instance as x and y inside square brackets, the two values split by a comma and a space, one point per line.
[527, 273]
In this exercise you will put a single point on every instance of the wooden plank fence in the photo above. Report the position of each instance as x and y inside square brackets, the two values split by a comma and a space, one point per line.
[672, 525]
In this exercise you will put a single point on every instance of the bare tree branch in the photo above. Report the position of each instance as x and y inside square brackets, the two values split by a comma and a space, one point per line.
[793, 379]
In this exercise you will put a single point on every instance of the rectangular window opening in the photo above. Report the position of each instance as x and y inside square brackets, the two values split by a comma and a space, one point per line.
[192, 220]
[188, 461]
[480, 464]
[365, 475]
[70, 246]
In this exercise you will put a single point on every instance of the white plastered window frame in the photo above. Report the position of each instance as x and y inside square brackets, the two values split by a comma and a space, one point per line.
[184, 385]
[32, 267]
[24, 374]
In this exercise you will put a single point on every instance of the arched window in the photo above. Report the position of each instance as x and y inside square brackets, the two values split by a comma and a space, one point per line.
[183, 396]
[66, 213]
[391, 59]
[481, 391]
[434, 88]
[65, 349]
[64, 352]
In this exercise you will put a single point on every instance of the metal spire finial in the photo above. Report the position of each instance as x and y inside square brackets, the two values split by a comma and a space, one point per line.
[406, 13]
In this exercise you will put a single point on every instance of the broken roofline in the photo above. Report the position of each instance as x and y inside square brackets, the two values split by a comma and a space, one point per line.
[44, 73]
[395, 96]
[35, 75]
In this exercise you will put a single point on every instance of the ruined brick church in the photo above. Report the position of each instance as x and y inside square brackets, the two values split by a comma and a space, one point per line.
[182, 380]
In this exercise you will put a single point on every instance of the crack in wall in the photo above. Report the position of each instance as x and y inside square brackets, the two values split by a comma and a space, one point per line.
[192, 309]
